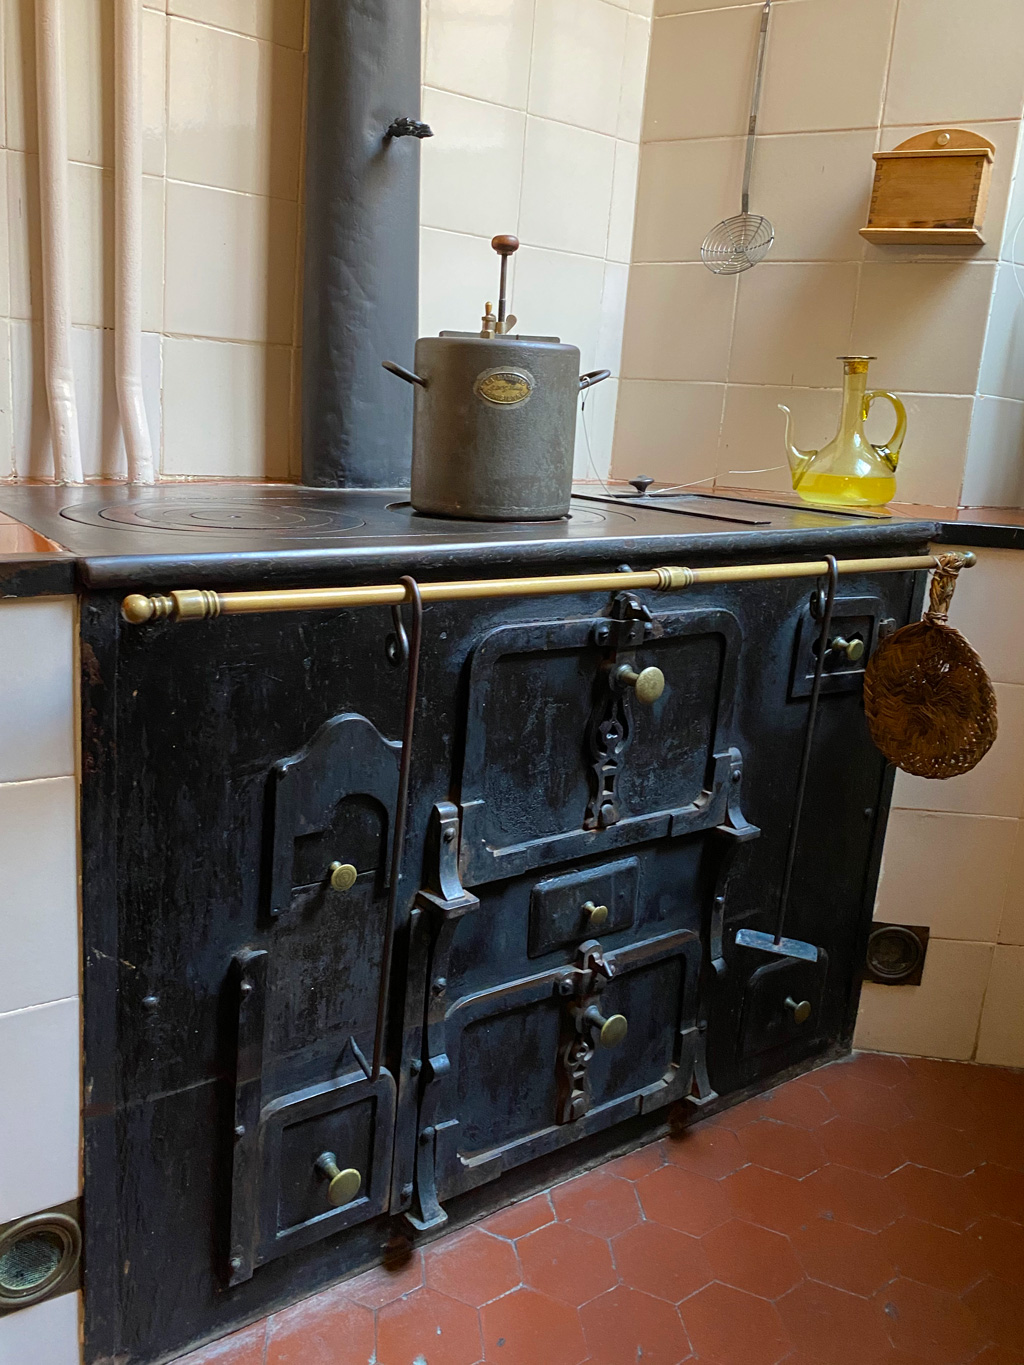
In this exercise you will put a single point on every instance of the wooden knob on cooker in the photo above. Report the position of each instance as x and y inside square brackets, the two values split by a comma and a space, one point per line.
[505, 244]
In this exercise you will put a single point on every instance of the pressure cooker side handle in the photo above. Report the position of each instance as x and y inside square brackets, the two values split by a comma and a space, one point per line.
[592, 377]
[403, 373]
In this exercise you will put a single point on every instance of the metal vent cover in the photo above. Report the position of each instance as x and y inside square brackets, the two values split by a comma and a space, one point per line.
[39, 1255]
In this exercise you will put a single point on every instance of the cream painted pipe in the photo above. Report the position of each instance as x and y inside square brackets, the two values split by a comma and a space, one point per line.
[128, 242]
[51, 114]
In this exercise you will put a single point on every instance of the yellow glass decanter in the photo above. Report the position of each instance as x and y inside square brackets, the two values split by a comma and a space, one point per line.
[850, 471]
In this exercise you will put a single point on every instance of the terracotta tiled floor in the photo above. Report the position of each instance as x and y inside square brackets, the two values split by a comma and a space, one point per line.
[870, 1212]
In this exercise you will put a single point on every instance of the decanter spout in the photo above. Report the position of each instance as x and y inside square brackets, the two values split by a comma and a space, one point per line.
[799, 460]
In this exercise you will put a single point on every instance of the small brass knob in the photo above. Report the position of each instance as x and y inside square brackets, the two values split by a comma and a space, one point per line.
[611, 1031]
[648, 685]
[344, 1185]
[597, 915]
[799, 1009]
[343, 876]
[853, 649]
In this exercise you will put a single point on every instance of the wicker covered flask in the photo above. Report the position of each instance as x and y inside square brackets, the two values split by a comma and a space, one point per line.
[929, 703]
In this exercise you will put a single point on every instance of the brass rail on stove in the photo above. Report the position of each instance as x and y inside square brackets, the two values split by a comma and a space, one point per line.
[196, 604]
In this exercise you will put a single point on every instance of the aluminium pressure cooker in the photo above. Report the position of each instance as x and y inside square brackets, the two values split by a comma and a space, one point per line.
[494, 421]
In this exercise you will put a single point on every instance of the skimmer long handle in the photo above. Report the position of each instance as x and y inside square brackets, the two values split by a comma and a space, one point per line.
[755, 103]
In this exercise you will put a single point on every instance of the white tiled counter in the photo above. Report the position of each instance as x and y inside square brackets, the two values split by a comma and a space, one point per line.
[40, 1029]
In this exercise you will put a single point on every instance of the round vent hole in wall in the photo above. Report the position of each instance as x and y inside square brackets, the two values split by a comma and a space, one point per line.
[38, 1255]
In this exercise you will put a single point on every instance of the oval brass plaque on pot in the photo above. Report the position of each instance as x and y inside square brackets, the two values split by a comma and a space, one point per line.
[504, 387]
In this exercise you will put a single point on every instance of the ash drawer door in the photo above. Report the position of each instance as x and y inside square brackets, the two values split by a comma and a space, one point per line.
[563, 760]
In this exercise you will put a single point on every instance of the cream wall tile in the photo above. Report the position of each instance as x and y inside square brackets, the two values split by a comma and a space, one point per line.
[154, 92]
[956, 60]
[826, 65]
[23, 232]
[230, 270]
[6, 402]
[37, 724]
[3, 109]
[45, 1335]
[560, 295]
[1002, 362]
[926, 323]
[481, 48]
[994, 473]
[816, 189]
[791, 323]
[234, 111]
[226, 409]
[595, 431]
[940, 1017]
[458, 274]
[685, 189]
[1001, 1038]
[698, 80]
[949, 872]
[634, 78]
[667, 7]
[623, 211]
[667, 430]
[931, 467]
[989, 609]
[471, 170]
[567, 188]
[1012, 246]
[613, 313]
[645, 7]
[38, 896]
[752, 453]
[994, 787]
[39, 1118]
[5, 272]
[19, 92]
[91, 246]
[89, 80]
[99, 427]
[678, 323]
[31, 427]
[576, 66]
[1011, 929]
[279, 21]
[153, 198]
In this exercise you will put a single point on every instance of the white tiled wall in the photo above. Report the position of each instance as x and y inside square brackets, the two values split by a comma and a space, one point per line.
[536, 105]
[954, 860]
[713, 356]
[39, 947]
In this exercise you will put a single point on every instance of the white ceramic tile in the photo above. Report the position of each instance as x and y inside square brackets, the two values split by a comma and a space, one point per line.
[230, 270]
[560, 295]
[1001, 1037]
[752, 453]
[226, 409]
[826, 65]
[940, 1017]
[576, 67]
[234, 111]
[5, 272]
[154, 92]
[623, 210]
[926, 324]
[989, 609]
[44, 1335]
[6, 402]
[994, 474]
[1011, 928]
[279, 21]
[1002, 361]
[37, 723]
[644, 7]
[613, 316]
[295, 415]
[634, 78]
[32, 452]
[567, 188]
[678, 323]
[471, 169]
[815, 188]
[40, 1051]
[481, 48]
[948, 872]
[19, 92]
[99, 427]
[89, 80]
[154, 189]
[699, 75]
[91, 247]
[1012, 246]
[595, 431]
[994, 787]
[956, 60]
[38, 895]
[458, 274]
[23, 232]
[662, 8]
[931, 467]
[667, 430]
[3, 108]
[685, 189]
[791, 323]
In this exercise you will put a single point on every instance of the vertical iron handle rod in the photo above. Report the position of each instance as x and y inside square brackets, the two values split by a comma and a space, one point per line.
[755, 102]
[401, 811]
[805, 756]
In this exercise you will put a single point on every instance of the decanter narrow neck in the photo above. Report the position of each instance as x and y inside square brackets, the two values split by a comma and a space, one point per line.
[854, 388]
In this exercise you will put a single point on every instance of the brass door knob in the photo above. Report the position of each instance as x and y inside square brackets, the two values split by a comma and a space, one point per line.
[611, 1031]
[597, 915]
[344, 1185]
[343, 876]
[799, 1009]
[853, 649]
[648, 684]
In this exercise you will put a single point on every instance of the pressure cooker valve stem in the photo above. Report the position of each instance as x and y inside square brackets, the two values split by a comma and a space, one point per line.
[611, 1031]
[648, 684]
[344, 1185]
[505, 245]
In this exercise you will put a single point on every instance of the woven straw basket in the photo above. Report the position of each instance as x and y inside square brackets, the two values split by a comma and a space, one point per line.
[929, 702]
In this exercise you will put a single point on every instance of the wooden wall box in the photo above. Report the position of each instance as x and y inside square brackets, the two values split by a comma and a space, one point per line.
[931, 190]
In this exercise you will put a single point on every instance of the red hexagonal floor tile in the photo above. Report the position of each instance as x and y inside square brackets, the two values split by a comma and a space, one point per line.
[710, 1151]
[597, 1202]
[566, 1263]
[842, 1328]
[1000, 1245]
[881, 1067]
[773, 1201]
[328, 1329]
[934, 1197]
[472, 1266]
[662, 1261]
[377, 1287]
[727, 1326]
[946, 1260]
[525, 1328]
[862, 1100]
[427, 1326]
[998, 1190]
[635, 1165]
[781, 1147]
[519, 1219]
[929, 1323]
[998, 1308]
[863, 1201]
[797, 1102]
[842, 1256]
[240, 1348]
[625, 1326]
[934, 1145]
[862, 1147]
[752, 1258]
[683, 1200]
[999, 1355]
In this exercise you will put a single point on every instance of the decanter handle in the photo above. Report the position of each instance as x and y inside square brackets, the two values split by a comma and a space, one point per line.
[890, 451]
